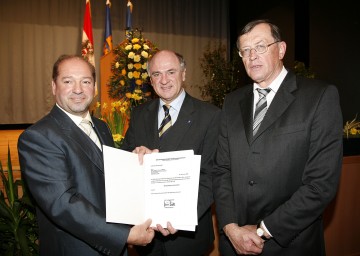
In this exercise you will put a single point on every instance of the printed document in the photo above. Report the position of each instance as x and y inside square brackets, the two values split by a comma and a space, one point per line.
[165, 188]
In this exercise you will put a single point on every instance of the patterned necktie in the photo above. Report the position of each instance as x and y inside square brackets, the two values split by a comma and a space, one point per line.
[166, 122]
[87, 127]
[261, 108]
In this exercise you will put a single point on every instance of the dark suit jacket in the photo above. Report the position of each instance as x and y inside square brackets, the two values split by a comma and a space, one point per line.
[288, 173]
[64, 171]
[196, 128]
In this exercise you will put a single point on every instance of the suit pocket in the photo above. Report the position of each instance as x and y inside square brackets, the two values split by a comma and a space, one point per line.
[294, 128]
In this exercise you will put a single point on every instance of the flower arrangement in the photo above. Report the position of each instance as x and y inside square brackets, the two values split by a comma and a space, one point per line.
[352, 128]
[129, 69]
[116, 114]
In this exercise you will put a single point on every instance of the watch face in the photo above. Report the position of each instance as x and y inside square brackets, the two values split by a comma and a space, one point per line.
[260, 232]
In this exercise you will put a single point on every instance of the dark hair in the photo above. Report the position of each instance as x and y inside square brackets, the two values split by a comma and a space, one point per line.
[275, 31]
[64, 57]
[178, 55]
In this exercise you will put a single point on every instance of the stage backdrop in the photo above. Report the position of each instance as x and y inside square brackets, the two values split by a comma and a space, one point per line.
[34, 33]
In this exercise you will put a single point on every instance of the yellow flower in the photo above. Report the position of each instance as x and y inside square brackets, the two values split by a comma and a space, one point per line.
[146, 47]
[138, 82]
[137, 91]
[123, 71]
[137, 58]
[123, 109]
[131, 55]
[117, 64]
[135, 40]
[126, 104]
[130, 75]
[136, 97]
[105, 105]
[130, 66]
[144, 75]
[136, 74]
[122, 82]
[144, 66]
[98, 104]
[137, 66]
[128, 47]
[353, 131]
[128, 95]
[137, 46]
[117, 137]
[144, 54]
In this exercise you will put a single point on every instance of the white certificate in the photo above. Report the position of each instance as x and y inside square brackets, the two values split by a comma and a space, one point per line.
[165, 188]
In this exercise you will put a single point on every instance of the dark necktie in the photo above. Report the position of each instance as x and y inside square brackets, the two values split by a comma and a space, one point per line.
[260, 109]
[166, 122]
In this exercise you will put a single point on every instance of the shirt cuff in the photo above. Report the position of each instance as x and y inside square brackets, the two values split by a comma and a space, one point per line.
[262, 225]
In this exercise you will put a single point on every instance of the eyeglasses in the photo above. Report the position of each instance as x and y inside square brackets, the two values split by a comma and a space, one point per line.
[260, 49]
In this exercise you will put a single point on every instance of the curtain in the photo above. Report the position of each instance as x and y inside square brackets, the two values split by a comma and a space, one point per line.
[34, 33]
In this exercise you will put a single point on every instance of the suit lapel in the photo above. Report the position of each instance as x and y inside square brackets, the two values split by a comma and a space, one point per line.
[246, 106]
[280, 103]
[72, 131]
[151, 124]
[184, 121]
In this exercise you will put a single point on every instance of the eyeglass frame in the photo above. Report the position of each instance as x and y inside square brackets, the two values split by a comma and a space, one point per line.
[254, 48]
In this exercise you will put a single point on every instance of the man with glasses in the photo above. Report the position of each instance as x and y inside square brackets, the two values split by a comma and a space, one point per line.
[279, 155]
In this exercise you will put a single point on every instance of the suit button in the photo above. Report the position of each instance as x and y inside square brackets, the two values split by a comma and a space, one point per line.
[251, 183]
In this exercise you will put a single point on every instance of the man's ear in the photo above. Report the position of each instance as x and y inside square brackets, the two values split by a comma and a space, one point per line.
[53, 87]
[184, 74]
[282, 49]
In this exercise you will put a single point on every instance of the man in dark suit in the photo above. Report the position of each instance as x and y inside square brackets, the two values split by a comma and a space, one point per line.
[63, 168]
[275, 176]
[194, 125]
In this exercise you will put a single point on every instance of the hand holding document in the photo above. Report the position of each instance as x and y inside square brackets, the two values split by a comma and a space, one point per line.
[165, 188]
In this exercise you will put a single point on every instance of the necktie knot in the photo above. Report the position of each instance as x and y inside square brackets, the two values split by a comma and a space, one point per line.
[87, 127]
[263, 92]
[166, 108]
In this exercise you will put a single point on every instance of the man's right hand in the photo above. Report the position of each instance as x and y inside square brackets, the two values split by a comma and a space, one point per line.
[142, 150]
[141, 234]
[243, 240]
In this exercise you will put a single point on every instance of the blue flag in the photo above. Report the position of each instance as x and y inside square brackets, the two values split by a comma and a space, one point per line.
[108, 44]
[129, 8]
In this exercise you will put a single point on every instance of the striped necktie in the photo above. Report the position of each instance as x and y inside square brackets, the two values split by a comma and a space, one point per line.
[260, 109]
[166, 122]
[87, 127]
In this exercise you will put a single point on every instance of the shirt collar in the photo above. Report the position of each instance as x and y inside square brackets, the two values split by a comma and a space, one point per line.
[76, 119]
[176, 103]
[274, 86]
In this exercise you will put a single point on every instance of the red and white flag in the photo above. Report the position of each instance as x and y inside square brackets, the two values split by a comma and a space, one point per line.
[87, 49]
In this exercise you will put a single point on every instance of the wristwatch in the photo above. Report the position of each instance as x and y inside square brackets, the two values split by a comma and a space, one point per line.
[260, 232]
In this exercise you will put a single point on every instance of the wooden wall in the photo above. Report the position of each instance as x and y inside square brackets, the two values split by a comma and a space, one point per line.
[10, 138]
[341, 218]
